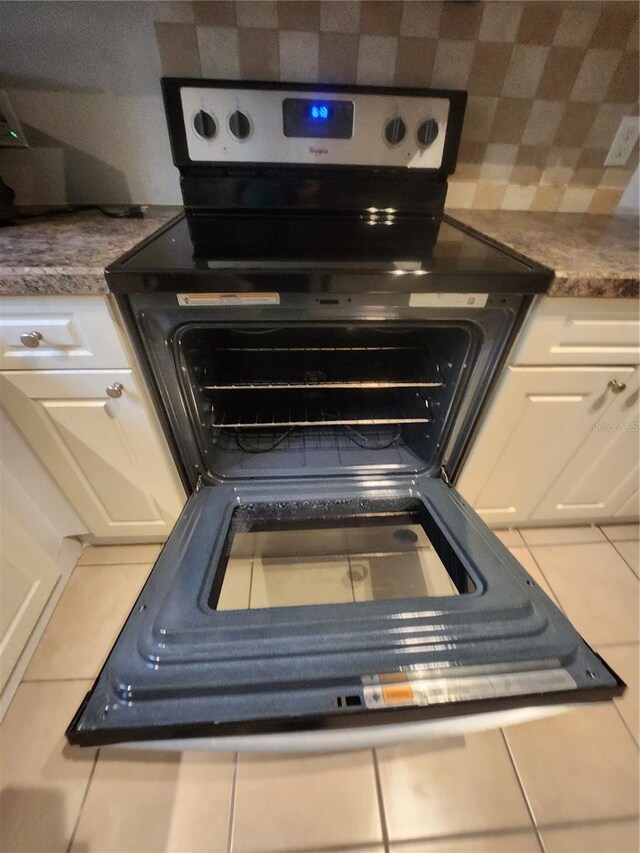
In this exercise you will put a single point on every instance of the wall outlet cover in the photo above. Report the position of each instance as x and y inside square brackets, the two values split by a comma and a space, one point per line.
[623, 142]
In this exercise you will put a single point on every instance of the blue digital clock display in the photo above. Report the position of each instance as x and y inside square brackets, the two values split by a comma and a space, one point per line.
[311, 118]
[319, 112]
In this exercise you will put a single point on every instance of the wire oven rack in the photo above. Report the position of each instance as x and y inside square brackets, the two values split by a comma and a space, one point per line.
[298, 408]
[297, 368]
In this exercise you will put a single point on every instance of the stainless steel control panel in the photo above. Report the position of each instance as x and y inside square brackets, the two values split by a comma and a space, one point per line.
[287, 126]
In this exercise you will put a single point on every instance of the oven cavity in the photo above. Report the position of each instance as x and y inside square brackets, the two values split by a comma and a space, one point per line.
[320, 400]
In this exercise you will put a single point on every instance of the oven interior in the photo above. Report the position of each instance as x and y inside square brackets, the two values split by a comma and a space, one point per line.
[321, 400]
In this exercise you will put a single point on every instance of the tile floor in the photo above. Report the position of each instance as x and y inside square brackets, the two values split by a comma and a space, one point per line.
[564, 784]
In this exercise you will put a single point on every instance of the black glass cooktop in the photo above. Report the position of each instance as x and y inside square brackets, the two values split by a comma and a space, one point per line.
[372, 241]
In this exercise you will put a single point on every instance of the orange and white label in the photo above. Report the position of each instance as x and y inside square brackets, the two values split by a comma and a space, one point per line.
[198, 300]
[424, 688]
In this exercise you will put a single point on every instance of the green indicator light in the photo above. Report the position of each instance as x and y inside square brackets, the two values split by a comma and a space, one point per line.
[14, 134]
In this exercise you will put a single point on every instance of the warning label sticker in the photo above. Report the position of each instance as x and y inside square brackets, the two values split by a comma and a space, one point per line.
[196, 300]
[416, 688]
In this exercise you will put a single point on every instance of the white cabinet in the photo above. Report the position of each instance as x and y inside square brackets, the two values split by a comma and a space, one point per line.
[28, 575]
[542, 417]
[557, 443]
[43, 332]
[600, 481]
[102, 451]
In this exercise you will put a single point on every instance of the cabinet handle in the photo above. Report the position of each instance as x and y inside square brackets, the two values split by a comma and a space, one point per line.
[31, 339]
[115, 390]
[616, 386]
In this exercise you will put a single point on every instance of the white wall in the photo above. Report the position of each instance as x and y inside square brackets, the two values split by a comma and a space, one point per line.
[84, 80]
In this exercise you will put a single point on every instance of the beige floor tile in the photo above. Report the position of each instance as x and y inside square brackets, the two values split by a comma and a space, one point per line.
[449, 786]
[507, 842]
[43, 779]
[582, 765]
[511, 538]
[403, 575]
[290, 581]
[624, 661]
[620, 532]
[595, 589]
[86, 621]
[114, 555]
[610, 837]
[561, 535]
[305, 802]
[162, 801]
[525, 558]
[236, 585]
[629, 550]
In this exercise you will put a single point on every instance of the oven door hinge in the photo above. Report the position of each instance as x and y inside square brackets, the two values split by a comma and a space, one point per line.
[198, 483]
[444, 476]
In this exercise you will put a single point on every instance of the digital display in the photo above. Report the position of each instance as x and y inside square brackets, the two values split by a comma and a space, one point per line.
[308, 118]
[319, 112]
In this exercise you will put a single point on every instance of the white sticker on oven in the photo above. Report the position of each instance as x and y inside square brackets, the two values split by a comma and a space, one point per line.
[197, 300]
[448, 300]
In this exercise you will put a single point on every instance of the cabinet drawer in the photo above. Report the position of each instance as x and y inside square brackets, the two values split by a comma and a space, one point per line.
[47, 332]
[581, 332]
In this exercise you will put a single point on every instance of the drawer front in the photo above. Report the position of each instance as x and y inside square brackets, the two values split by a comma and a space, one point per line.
[581, 332]
[58, 332]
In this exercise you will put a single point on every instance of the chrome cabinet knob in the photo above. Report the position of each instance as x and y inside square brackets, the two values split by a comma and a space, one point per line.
[617, 387]
[31, 339]
[115, 390]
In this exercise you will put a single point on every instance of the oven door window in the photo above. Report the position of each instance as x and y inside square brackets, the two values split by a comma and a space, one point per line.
[350, 607]
[295, 554]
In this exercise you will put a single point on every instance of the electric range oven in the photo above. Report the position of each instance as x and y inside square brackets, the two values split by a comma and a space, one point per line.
[321, 341]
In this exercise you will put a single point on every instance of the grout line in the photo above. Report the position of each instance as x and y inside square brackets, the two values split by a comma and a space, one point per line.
[232, 807]
[624, 723]
[555, 594]
[494, 833]
[523, 791]
[84, 799]
[383, 818]
[47, 680]
[617, 643]
[251, 582]
[624, 559]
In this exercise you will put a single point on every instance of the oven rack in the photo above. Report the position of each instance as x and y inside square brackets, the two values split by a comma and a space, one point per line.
[297, 368]
[284, 409]
[336, 439]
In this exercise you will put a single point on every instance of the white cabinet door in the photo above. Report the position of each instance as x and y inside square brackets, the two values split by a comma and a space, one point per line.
[540, 418]
[28, 575]
[601, 478]
[103, 452]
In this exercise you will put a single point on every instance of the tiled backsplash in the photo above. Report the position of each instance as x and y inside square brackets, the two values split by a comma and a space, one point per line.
[548, 82]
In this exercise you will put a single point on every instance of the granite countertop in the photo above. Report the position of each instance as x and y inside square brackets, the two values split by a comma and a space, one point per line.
[591, 254]
[67, 253]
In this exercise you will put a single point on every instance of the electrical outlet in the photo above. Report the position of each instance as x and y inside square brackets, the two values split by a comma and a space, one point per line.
[623, 142]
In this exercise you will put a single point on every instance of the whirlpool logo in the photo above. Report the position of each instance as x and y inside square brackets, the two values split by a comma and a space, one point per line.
[313, 149]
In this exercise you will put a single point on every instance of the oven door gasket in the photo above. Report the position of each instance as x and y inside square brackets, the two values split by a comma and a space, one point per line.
[180, 670]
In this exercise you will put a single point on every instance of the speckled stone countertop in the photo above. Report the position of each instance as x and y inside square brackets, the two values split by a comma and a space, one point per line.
[67, 253]
[591, 254]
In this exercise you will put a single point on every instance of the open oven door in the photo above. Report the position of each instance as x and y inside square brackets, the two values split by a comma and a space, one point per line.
[413, 620]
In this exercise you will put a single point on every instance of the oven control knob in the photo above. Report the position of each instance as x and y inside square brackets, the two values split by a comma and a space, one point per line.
[204, 124]
[239, 125]
[395, 131]
[427, 132]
